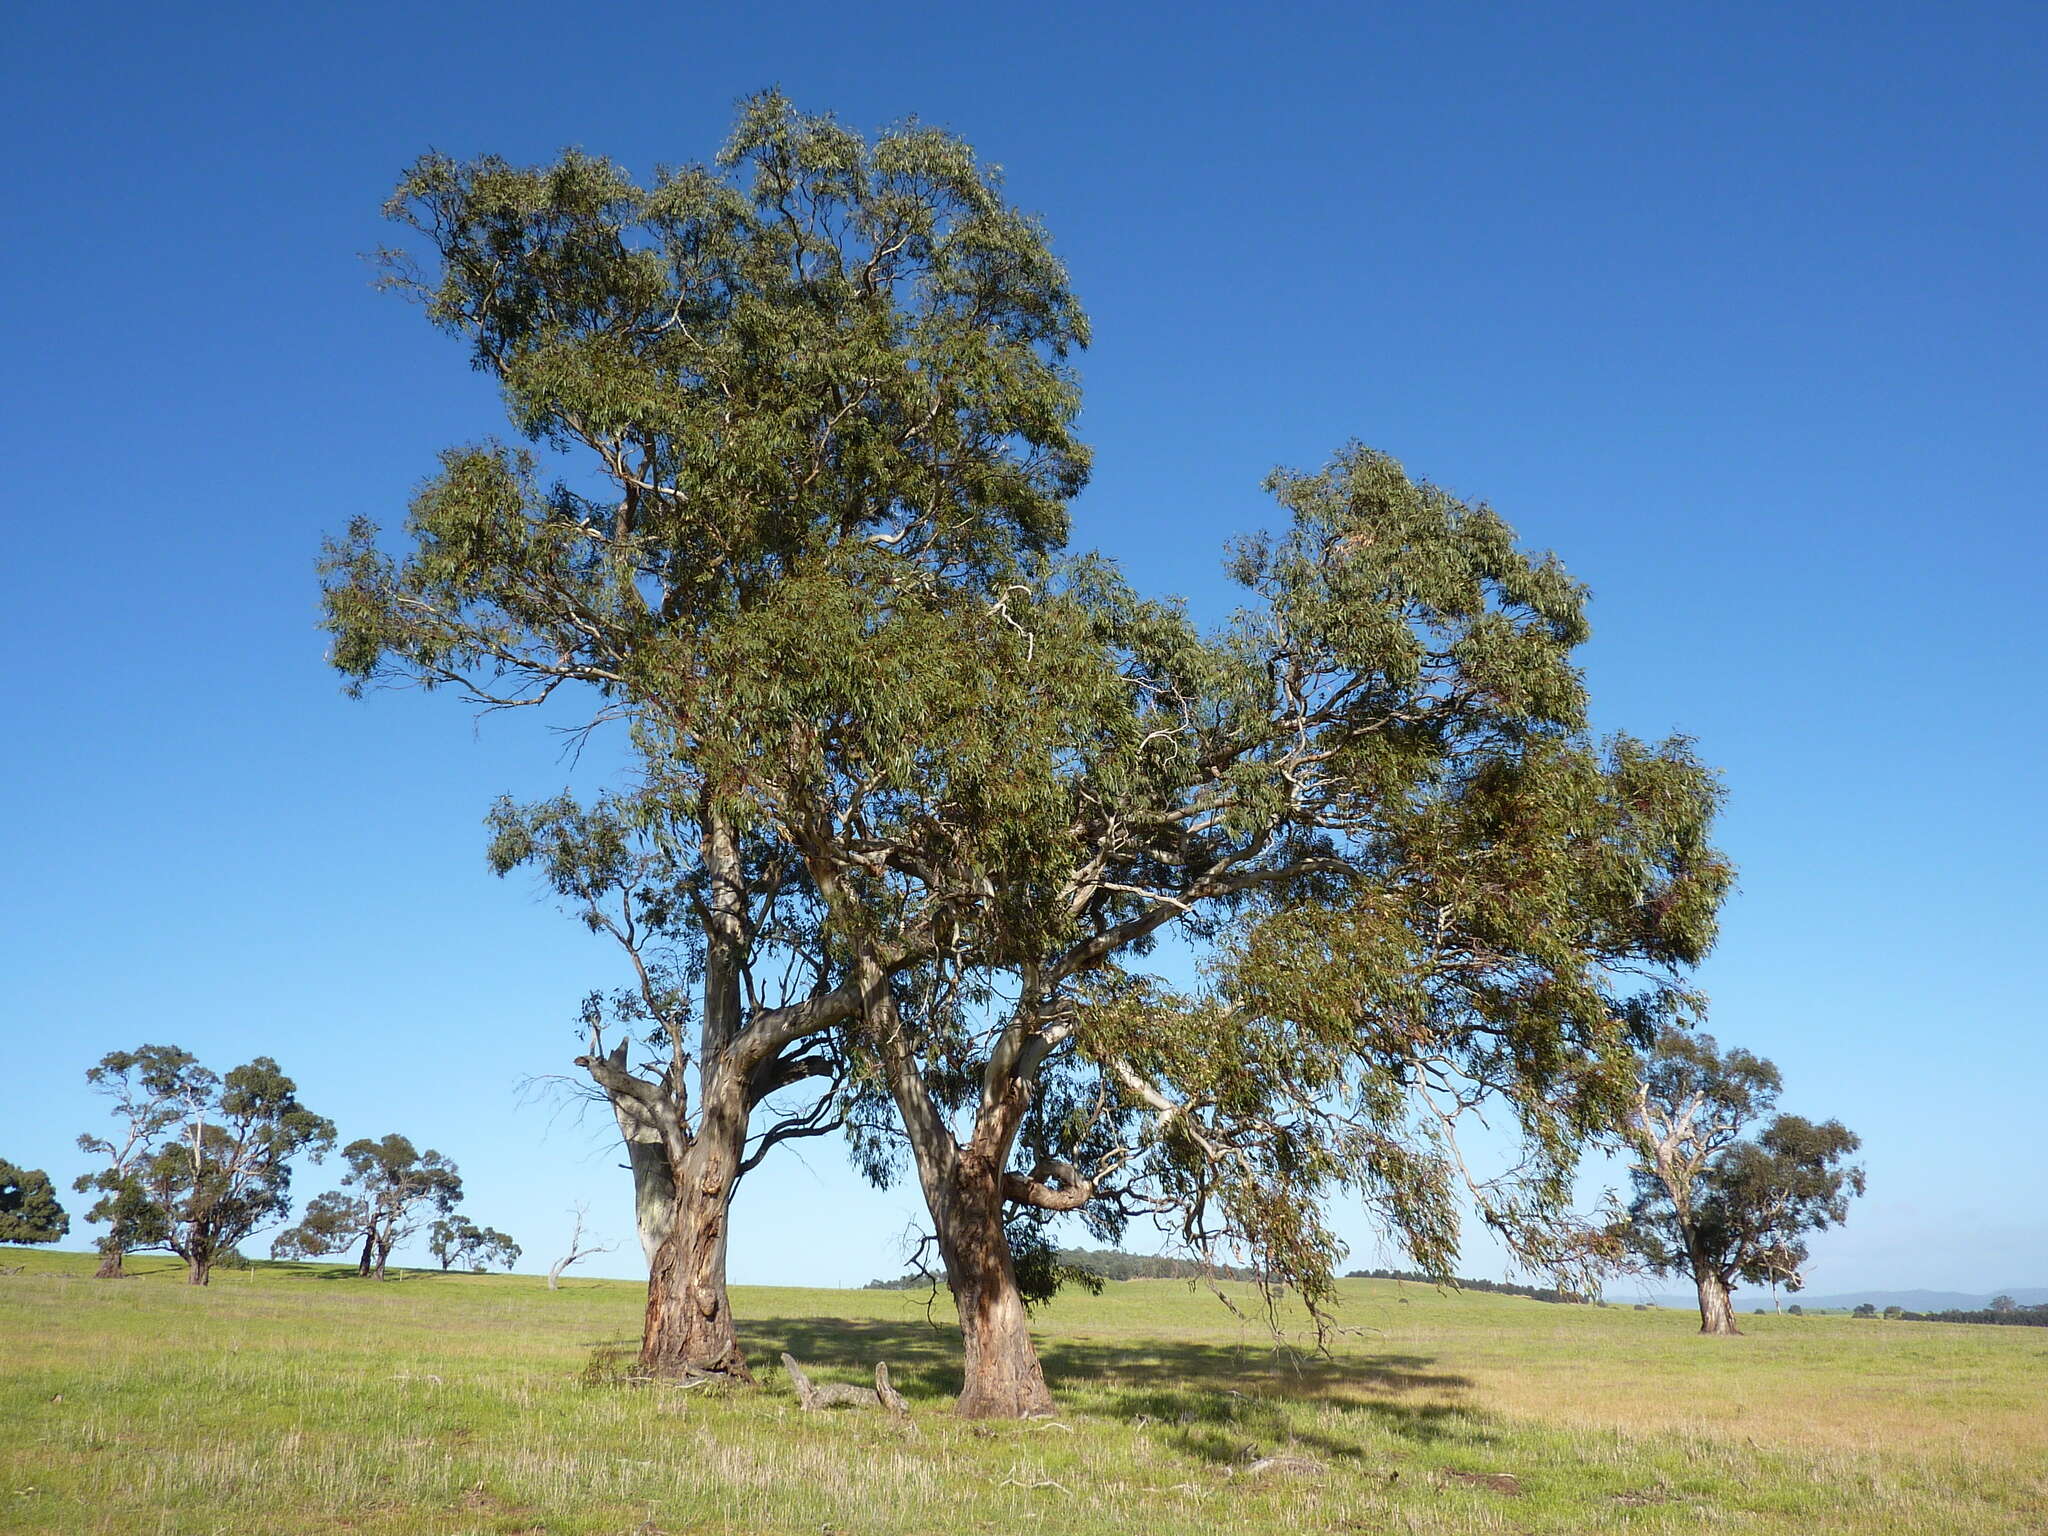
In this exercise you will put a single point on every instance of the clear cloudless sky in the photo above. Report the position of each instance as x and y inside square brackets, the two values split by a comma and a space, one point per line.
[1740, 308]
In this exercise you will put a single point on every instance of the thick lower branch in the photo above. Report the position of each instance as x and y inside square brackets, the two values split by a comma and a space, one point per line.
[1051, 1186]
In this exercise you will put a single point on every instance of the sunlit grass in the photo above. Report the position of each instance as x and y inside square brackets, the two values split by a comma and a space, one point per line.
[299, 1399]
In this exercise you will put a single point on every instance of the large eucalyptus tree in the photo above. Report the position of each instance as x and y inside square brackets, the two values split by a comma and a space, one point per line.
[819, 361]
[1369, 807]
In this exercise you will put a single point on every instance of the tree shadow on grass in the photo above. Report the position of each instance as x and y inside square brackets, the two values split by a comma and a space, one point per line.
[1212, 1400]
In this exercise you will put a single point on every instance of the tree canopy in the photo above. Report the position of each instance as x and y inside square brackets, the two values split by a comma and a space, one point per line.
[817, 369]
[458, 1241]
[29, 1210]
[152, 1090]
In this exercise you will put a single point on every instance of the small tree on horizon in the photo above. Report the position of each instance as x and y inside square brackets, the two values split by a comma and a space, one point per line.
[396, 1188]
[456, 1240]
[580, 1246]
[1713, 1206]
[29, 1211]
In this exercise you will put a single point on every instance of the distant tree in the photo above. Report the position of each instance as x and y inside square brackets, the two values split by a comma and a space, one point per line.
[396, 1188]
[1866, 1309]
[331, 1222]
[154, 1088]
[456, 1240]
[1795, 1310]
[1711, 1205]
[2003, 1304]
[1894, 1313]
[226, 1172]
[29, 1212]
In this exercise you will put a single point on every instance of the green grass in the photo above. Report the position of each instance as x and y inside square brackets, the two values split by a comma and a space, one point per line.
[299, 1399]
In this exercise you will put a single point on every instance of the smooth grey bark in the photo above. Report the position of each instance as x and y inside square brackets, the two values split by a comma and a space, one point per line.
[654, 1184]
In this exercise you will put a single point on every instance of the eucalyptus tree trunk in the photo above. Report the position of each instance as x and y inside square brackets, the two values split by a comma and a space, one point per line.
[112, 1261]
[966, 1189]
[1003, 1378]
[1717, 1311]
[682, 1185]
[689, 1329]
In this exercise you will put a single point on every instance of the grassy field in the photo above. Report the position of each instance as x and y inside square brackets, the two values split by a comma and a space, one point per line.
[299, 1399]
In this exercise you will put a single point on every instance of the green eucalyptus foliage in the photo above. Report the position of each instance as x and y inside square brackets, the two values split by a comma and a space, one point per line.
[151, 1090]
[29, 1212]
[331, 1222]
[1373, 805]
[791, 419]
[817, 353]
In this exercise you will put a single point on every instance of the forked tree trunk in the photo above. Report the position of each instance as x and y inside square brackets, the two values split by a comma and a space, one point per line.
[1003, 1379]
[690, 1332]
[199, 1271]
[1717, 1311]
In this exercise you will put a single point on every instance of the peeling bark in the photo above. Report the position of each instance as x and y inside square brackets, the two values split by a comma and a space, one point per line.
[965, 1189]
[690, 1331]
[1003, 1379]
[1717, 1310]
[654, 1184]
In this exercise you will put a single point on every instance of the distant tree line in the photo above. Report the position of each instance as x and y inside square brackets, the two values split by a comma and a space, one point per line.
[1109, 1264]
[2024, 1317]
[1495, 1287]
[1105, 1264]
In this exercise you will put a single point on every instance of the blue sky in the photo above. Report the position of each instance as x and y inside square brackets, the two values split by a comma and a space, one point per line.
[1741, 309]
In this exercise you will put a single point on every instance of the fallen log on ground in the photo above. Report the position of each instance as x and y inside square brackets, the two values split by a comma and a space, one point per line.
[835, 1394]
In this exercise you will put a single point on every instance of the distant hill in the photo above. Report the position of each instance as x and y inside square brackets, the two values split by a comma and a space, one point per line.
[1921, 1301]
[1748, 1298]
